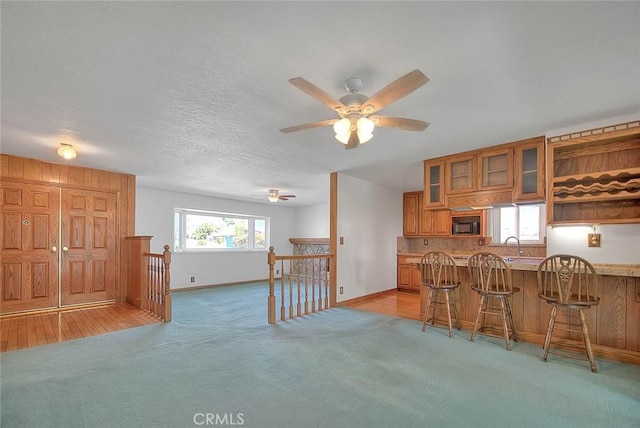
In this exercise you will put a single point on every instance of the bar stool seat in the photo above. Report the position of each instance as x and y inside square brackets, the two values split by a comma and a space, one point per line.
[569, 283]
[440, 277]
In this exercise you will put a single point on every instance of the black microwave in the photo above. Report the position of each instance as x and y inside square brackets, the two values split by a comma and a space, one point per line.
[465, 226]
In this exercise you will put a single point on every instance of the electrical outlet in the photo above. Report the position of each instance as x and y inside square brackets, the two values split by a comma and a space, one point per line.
[277, 271]
[341, 290]
[594, 240]
[193, 279]
[481, 242]
[426, 242]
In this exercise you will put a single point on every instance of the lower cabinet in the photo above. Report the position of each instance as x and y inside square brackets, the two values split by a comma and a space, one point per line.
[409, 277]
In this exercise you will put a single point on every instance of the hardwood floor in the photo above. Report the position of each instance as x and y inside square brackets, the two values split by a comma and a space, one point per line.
[26, 331]
[393, 302]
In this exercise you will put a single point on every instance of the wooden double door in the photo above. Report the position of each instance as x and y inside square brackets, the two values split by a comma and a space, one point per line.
[58, 247]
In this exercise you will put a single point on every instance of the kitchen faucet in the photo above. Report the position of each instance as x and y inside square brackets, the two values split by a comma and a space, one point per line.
[517, 240]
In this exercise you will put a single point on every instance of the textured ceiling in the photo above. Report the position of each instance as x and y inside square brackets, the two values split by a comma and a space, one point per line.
[190, 95]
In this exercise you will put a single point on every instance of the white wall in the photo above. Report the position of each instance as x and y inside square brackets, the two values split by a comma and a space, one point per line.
[312, 222]
[619, 243]
[370, 220]
[154, 217]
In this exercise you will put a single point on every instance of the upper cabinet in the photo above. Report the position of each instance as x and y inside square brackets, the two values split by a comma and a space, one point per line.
[411, 209]
[495, 169]
[594, 176]
[460, 174]
[502, 174]
[529, 170]
[420, 222]
[433, 184]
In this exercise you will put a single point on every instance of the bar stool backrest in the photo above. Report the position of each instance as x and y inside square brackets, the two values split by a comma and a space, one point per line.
[438, 268]
[489, 272]
[568, 279]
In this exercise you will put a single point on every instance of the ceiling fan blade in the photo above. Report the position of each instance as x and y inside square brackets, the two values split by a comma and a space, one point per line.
[320, 95]
[394, 91]
[354, 141]
[399, 123]
[309, 125]
[287, 196]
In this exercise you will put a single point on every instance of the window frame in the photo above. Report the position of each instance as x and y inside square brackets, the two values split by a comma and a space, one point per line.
[495, 222]
[179, 231]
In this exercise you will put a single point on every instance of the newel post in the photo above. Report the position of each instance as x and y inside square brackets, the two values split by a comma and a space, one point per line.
[166, 289]
[271, 300]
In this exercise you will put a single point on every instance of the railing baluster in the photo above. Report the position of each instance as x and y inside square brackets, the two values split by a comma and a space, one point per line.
[302, 274]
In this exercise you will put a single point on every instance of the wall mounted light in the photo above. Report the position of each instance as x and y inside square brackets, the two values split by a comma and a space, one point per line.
[67, 151]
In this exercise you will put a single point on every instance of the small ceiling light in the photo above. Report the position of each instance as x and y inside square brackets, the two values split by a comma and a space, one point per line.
[67, 151]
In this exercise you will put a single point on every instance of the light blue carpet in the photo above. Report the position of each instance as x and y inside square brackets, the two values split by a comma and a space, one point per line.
[339, 368]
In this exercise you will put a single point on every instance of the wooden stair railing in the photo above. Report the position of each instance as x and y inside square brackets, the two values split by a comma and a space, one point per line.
[148, 279]
[304, 284]
[157, 298]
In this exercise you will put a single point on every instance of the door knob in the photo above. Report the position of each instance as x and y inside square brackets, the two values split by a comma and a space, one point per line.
[54, 249]
[65, 250]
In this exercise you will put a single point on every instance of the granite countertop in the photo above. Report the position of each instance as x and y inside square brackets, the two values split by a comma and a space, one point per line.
[531, 264]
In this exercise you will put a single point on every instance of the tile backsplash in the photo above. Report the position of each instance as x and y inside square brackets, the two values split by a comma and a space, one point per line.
[465, 246]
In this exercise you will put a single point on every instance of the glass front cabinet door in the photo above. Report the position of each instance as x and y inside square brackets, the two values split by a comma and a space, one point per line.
[529, 170]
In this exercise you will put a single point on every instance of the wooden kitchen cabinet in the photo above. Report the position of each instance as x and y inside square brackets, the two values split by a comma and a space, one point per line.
[411, 208]
[460, 174]
[409, 277]
[495, 169]
[417, 221]
[594, 176]
[529, 170]
[434, 195]
[441, 222]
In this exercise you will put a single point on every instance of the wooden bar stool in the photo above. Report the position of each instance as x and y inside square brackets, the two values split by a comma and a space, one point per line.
[568, 282]
[439, 274]
[491, 278]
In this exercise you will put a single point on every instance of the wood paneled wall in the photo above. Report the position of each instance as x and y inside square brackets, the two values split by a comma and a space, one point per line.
[62, 175]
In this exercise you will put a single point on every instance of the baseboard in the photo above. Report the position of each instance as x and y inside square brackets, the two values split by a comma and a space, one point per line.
[224, 284]
[364, 298]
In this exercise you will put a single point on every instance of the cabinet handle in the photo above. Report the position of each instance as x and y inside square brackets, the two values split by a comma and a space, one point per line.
[54, 249]
[65, 250]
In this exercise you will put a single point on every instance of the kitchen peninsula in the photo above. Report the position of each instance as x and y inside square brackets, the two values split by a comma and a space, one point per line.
[591, 180]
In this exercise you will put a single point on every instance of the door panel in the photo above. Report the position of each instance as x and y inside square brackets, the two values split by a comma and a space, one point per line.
[28, 239]
[88, 240]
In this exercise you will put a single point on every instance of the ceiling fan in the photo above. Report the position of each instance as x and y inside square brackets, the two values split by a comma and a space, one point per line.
[273, 196]
[356, 120]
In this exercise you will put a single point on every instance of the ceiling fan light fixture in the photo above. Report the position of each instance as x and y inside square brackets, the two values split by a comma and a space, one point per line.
[342, 128]
[67, 151]
[273, 198]
[365, 129]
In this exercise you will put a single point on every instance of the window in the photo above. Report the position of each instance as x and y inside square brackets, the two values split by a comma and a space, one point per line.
[526, 222]
[195, 230]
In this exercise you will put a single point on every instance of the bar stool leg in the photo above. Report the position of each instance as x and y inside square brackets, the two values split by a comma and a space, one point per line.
[446, 296]
[455, 309]
[587, 341]
[547, 339]
[505, 327]
[426, 309]
[475, 325]
[435, 305]
[510, 315]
